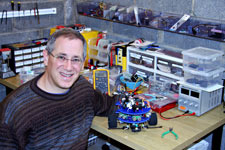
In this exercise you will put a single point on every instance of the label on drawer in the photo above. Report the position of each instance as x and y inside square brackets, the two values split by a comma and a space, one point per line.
[18, 70]
[178, 66]
[26, 56]
[147, 59]
[135, 55]
[19, 52]
[18, 58]
[35, 55]
[37, 65]
[163, 62]
[25, 51]
[19, 64]
[27, 62]
[36, 60]
[36, 49]
[42, 59]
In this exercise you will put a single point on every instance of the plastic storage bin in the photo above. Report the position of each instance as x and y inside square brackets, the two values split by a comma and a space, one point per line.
[169, 66]
[135, 58]
[28, 73]
[203, 79]
[140, 72]
[98, 49]
[202, 59]
[141, 59]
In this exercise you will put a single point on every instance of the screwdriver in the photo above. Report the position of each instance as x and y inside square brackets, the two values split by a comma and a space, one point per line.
[19, 7]
[12, 7]
[37, 13]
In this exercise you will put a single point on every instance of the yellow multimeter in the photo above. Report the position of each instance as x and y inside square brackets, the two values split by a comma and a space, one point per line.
[101, 80]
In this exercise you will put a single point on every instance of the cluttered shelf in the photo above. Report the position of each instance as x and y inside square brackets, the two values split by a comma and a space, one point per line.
[143, 17]
[175, 32]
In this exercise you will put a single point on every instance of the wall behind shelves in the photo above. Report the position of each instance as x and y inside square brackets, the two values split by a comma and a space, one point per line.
[201, 9]
[27, 28]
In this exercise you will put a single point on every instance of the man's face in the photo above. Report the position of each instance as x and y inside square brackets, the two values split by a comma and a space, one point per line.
[62, 74]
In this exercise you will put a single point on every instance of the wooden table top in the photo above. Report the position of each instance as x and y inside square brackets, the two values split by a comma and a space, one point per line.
[188, 128]
[13, 82]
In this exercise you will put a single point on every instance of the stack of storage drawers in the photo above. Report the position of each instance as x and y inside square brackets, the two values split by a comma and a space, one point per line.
[203, 67]
[28, 53]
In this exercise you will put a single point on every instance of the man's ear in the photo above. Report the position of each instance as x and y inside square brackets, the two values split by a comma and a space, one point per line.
[46, 57]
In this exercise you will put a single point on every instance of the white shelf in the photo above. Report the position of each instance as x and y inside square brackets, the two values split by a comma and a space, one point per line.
[155, 56]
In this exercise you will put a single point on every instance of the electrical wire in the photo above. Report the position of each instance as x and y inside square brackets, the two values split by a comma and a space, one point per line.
[135, 89]
[186, 113]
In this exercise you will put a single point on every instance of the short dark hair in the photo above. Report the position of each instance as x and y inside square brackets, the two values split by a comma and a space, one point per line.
[68, 33]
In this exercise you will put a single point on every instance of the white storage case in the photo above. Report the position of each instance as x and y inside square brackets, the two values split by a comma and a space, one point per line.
[202, 59]
[203, 79]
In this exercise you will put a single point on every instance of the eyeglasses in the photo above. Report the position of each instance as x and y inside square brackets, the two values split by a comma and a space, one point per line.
[63, 59]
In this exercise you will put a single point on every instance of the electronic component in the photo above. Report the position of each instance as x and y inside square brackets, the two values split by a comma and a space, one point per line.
[199, 100]
[133, 111]
[101, 80]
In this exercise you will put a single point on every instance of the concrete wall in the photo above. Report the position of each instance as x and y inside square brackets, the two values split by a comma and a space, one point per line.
[27, 28]
[209, 10]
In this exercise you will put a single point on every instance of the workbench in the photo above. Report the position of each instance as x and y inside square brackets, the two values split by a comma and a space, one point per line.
[189, 128]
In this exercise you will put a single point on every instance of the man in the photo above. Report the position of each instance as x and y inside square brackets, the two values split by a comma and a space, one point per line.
[54, 110]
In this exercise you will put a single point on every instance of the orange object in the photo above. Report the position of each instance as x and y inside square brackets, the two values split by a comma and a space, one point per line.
[182, 108]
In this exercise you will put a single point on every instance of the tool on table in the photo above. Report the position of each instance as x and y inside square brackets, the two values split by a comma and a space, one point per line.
[4, 12]
[170, 131]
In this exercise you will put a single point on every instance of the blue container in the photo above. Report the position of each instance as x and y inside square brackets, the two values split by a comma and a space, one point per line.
[131, 85]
